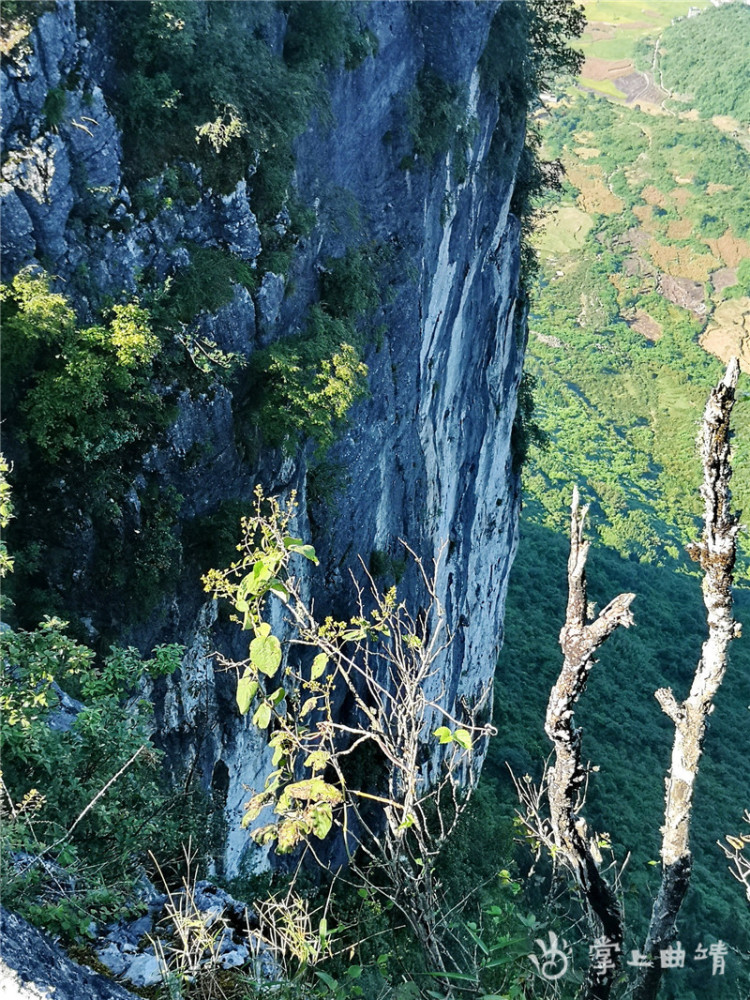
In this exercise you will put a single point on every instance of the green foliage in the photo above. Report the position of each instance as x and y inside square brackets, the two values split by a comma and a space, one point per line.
[84, 837]
[526, 431]
[205, 81]
[82, 391]
[303, 386]
[690, 67]
[350, 286]
[383, 565]
[6, 515]
[324, 32]
[528, 48]
[207, 283]
[437, 115]
[621, 409]
[54, 106]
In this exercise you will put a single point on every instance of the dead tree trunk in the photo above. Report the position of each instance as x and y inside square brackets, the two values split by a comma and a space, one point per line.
[716, 553]
[579, 640]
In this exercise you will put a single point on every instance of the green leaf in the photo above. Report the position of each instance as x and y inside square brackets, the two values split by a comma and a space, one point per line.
[278, 588]
[289, 541]
[443, 734]
[263, 630]
[329, 981]
[246, 690]
[305, 550]
[254, 583]
[463, 738]
[278, 695]
[308, 706]
[321, 818]
[317, 760]
[265, 654]
[354, 635]
[319, 665]
[262, 716]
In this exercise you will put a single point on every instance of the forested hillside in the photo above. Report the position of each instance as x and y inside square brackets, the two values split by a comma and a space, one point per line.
[644, 268]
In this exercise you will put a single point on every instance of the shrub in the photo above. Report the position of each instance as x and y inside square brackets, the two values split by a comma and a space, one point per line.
[436, 113]
[207, 283]
[81, 834]
[54, 106]
[306, 384]
[324, 33]
[81, 391]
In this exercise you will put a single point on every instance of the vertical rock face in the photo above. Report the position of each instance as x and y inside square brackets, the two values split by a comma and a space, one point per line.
[426, 456]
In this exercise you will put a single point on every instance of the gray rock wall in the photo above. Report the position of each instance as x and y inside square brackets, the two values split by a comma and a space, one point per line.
[33, 967]
[426, 457]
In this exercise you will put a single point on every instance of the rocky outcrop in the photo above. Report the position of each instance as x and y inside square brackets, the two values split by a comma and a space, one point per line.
[33, 967]
[426, 456]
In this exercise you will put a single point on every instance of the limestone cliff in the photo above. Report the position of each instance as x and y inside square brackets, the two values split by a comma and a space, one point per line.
[425, 455]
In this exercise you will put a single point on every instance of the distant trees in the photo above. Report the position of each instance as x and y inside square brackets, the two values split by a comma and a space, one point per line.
[690, 68]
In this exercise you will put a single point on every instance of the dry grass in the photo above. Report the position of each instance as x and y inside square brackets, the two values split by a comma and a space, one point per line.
[680, 196]
[728, 333]
[682, 262]
[730, 248]
[653, 196]
[594, 196]
[605, 69]
[587, 152]
[644, 213]
[679, 229]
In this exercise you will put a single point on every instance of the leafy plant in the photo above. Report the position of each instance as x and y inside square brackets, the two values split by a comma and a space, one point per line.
[82, 391]
[83, 796]
[385, 660]
[305, 385]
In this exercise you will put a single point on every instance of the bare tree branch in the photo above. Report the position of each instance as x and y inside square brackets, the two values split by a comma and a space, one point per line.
[579, 640]
[716, 553]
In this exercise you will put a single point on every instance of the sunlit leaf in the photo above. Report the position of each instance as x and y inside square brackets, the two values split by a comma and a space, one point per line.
[246, 690]
[265, 654]
[321, 818]
[319, 665]
[305, 550]
[262, 715]
[308, 706]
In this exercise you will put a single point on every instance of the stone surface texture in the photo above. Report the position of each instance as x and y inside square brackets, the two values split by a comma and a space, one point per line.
[426, 457]
[33, 967]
